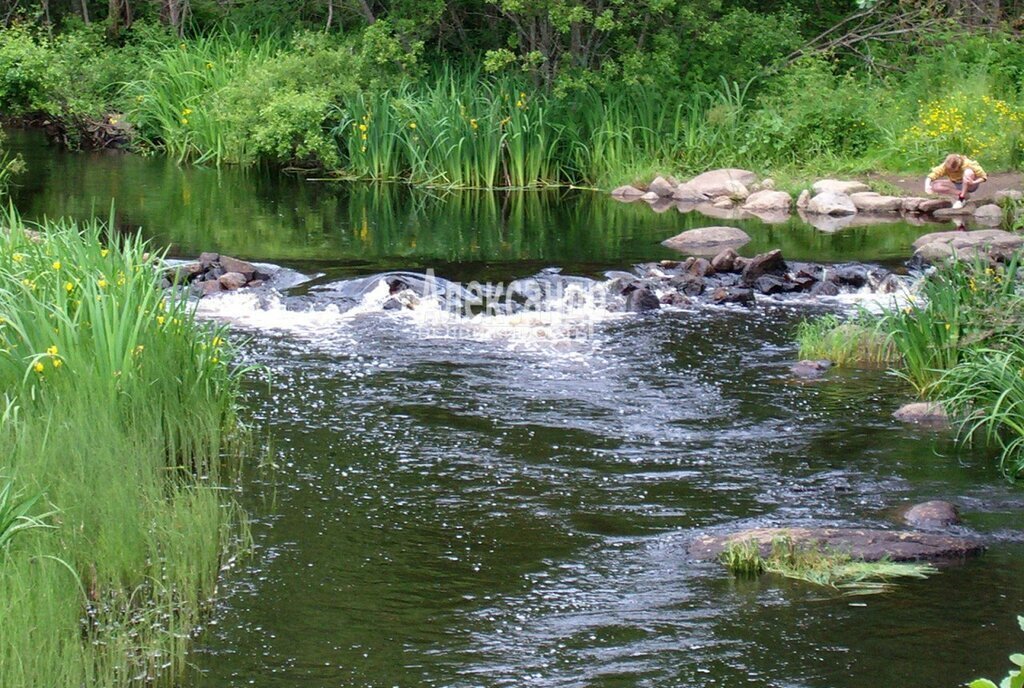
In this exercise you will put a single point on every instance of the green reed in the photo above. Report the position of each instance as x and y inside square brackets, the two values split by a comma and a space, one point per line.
[120, 410]
[856, 341]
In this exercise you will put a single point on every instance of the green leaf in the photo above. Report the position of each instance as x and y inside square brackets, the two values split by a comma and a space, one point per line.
[982, 683]
[1017, 659]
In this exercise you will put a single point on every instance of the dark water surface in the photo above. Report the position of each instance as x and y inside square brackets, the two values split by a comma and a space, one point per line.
[495, 503]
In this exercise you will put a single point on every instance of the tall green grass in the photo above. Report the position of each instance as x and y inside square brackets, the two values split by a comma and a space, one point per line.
[121, 409]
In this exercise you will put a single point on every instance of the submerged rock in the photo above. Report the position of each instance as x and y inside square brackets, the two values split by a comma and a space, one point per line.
[922, 412]
[860, 543]
[932, 515]
[811, 369]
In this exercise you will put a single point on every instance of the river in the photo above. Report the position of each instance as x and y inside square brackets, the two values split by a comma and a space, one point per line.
[488, 502]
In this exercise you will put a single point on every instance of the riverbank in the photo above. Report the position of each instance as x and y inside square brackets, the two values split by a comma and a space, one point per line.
[116, 514]
[310, 102]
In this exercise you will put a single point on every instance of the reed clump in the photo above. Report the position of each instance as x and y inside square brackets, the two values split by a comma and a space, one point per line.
[119, 412]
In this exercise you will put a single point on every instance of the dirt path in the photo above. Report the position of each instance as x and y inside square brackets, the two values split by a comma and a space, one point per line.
[912, 185]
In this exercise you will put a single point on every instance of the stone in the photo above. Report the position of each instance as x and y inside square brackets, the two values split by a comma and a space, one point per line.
[772, 217]
[662, 205]
[929, 206]
[724, 261]
[989, 211]
[650, 197]
[1007, 194]
[700, 267]
[998, 243]
[685, 193]
[705, 238]
[831, 203]
[234, 265]
[183, 274]
[773, 284]
[763, 264]
[640, 299]
[933, 253]
[865, 544]
[768, 184]
[923, 413]
[662, 187]
[839, 186]
[768, 200]
[206, 260]
[723, 202]
[912, 204]
[710, 210]
[870, 202]
[627, 192]
[208, 287]
[733, 295]
[825, 289]
[719, 182]
[811, 369]
[803, 199]
[232, 280]
[932, 515]
[950, 213]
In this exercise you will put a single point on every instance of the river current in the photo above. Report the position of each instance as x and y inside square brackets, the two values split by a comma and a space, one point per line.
[505, 500]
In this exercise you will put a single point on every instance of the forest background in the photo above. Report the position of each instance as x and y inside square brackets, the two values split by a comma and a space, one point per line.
[520, 93]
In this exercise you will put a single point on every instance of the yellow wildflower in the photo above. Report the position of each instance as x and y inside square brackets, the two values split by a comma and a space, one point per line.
[160, 320]
[186, 112]
[473, 123]
[101, 283]
[52, 350]
[363, 127]
[57, 363]
[18, 257]
[56, 265]
[184, 120]
[69, 287]
[412, 125]
[38, 367]
[104, 252]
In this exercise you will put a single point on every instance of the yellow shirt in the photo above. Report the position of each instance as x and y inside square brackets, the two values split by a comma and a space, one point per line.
[957, 176]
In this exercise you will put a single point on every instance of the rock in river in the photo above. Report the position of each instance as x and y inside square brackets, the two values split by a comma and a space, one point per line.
[708, 240]
[932, 515]
[866, 544]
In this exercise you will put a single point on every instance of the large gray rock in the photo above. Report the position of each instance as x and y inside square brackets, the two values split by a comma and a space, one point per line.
[995, 244]
[831, 203]
[912, 204]
[923, 413]
[871, 202]
[235, 265]
[232, 280]
[989, 213]
[932, 515]
[708, 239]
[627, 192]
[860, 543]
[723, 182]
[1011, 194]
[935, 253]
[662, 187]
[839, 186]
[768, 200]
[811, 369]
[685, 193]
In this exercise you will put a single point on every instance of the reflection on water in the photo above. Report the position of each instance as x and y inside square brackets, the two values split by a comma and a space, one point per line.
[264, 216]
[458, 510]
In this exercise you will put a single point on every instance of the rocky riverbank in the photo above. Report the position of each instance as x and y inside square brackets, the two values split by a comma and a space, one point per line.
[829, 204]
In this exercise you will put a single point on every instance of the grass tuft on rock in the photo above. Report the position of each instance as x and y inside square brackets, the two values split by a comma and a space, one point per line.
[814, 565]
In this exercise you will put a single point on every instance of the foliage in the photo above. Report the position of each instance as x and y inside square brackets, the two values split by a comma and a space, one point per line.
[811, 564]
[1015, 677]
[110, 383]
[845, 342]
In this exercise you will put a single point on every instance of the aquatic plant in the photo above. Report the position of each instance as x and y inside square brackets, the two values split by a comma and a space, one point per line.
[1014, 678]
[121, 407]
[814, 565]
[856, 341]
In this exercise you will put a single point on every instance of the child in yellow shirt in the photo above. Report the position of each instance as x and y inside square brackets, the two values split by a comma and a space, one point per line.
[957, 176]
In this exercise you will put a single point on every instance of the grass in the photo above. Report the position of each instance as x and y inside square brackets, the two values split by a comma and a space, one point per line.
[120, 411]
[826, 568]
[851, 342]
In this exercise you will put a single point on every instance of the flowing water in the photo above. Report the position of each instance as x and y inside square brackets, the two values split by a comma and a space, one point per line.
[505, 500]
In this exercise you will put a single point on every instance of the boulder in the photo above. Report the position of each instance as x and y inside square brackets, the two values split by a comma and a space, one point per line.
[1008, 194]
[934, 253]
[768, 184]
[996, 244]
[803, 199]
[206, 260]
[831, 203]
[811, 369]
[989, 213]
[207, 287]
[183, 274]
[232, 280]
[866, 544]
[627, 192]
[234, 265]
[725, 261]
[733, 295]
[825, 289]
[650, 197]
[662, 187]
[685, 193]
[699, 267]
[641, 299]
[768, 200]
[722, 182]
[912, 204]
[929, 206]
[764, 264]
[923, 413]
[839, 186]
[951, 213]
[707, 239]
[723, 202]
[932, 515]
[870, 202]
